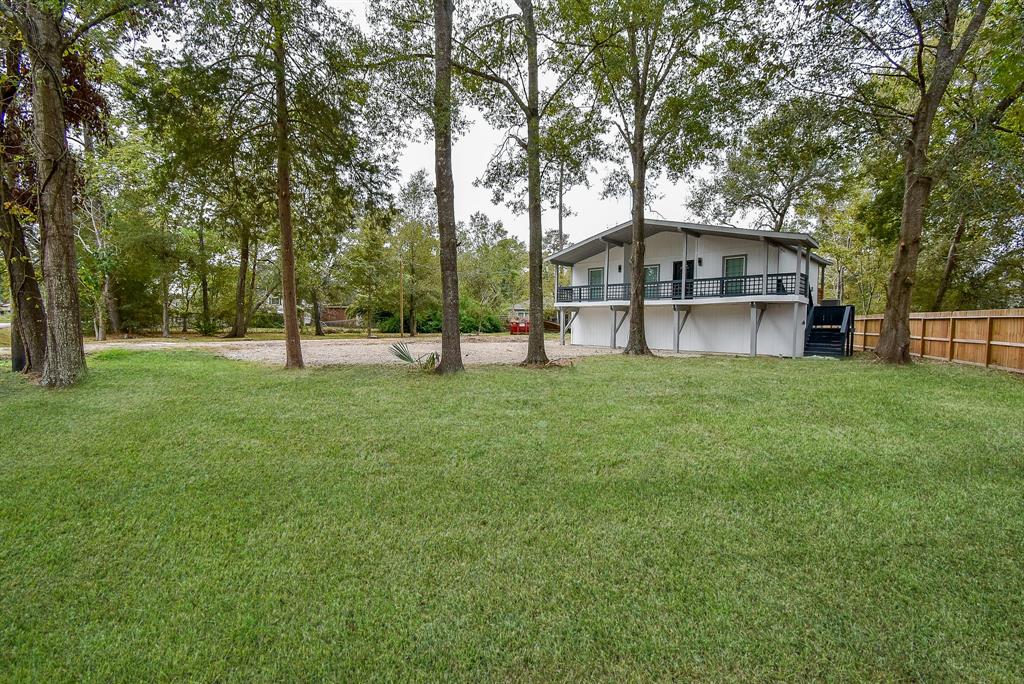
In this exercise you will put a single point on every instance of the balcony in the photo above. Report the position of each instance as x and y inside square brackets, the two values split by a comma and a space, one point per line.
[699, 288]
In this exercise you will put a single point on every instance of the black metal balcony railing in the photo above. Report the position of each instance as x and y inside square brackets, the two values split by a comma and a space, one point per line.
[733, 286]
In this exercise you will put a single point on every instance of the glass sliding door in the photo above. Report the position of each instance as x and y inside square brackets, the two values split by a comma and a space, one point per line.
[734, 268]
[595, 279]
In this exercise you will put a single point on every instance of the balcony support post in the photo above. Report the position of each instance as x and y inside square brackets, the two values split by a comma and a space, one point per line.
[680, 314]
[617, 322]
[796, 324]
[565, 325]
[756, 314]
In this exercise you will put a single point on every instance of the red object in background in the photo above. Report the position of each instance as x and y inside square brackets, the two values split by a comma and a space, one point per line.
[517, 327]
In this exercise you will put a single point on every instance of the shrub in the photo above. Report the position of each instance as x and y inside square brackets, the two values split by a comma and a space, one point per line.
[266, 319]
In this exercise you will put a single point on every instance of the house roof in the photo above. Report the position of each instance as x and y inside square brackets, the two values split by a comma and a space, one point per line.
[622, 234]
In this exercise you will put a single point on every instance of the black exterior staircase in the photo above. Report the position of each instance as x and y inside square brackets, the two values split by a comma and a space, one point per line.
[830, 331]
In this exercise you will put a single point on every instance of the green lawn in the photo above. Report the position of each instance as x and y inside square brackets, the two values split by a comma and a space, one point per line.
[181, 516]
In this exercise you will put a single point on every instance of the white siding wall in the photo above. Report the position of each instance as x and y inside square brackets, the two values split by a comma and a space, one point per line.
[710, 328]
[582, 268]
[665, 248]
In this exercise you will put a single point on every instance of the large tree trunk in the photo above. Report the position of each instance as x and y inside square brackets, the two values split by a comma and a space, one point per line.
[65, 353]
[951, 259]
[238, 328]
[535, 354]
[28, 322]
[894, 341]
[293, 344]
[444, 189]
[637, 343]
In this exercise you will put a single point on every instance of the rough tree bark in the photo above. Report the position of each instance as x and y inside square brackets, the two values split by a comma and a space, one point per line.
[637, 344]
[293, 344]
[535, 353]
[28, 321]
[951, 259]
[65, 352]
[894, 340]
[444, 189]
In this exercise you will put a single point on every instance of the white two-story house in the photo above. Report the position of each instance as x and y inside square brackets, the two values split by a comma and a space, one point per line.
[708, 288]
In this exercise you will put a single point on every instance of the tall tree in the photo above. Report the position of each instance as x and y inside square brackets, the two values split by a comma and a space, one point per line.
[50, 30]
[293, 346]
[921, 46]
[444, 188]
[667, 73]
[260, 86]
[501, 59]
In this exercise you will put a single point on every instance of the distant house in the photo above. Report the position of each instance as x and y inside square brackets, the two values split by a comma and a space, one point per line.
[333, 313]
[339, 316]
[519, 312]
[707, 289]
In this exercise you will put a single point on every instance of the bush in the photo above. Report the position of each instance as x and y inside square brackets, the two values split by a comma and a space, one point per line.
[266, 319]
[429, 321]
[209, 328]
[388, 324]
[472, 319]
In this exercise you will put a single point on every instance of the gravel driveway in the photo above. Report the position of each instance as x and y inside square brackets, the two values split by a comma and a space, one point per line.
[475, 351]
[327, 352]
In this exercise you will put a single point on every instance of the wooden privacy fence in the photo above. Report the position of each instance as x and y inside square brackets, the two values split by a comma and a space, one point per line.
[991, 338]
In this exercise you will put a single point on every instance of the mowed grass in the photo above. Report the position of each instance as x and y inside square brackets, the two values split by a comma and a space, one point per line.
[181, 516]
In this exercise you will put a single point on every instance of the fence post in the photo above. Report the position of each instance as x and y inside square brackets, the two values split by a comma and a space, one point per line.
[988, 341]
[952, 335]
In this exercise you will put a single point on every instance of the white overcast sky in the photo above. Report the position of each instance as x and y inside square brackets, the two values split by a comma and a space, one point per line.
[471, 151]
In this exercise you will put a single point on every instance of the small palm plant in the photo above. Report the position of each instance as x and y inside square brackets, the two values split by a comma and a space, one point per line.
[402, 352]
